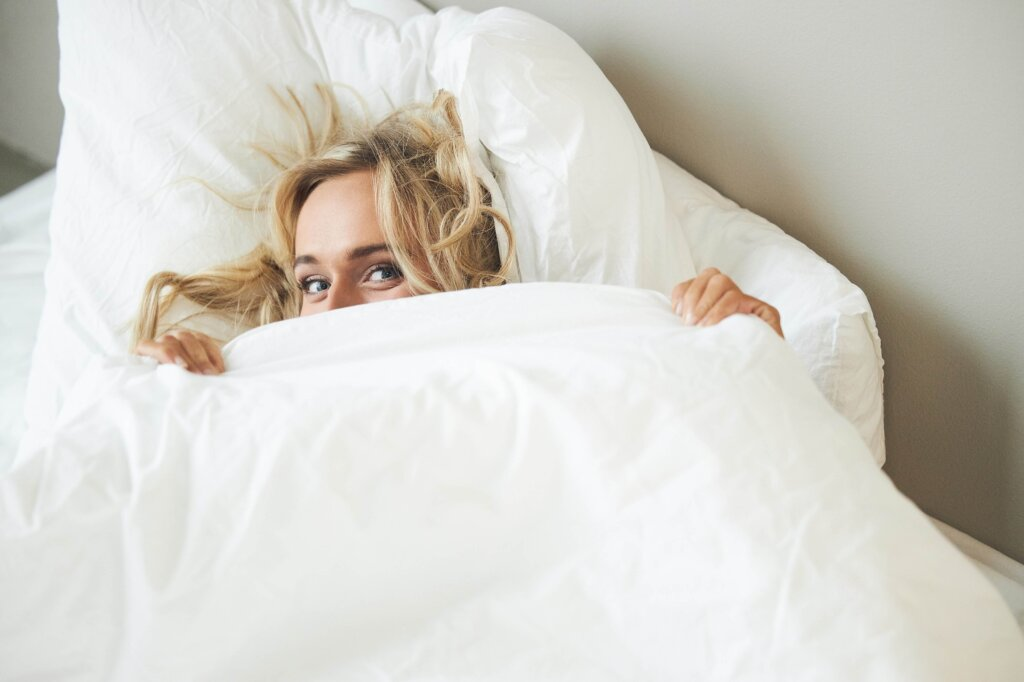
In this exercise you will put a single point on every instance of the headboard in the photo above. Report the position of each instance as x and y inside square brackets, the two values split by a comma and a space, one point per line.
[888, 138]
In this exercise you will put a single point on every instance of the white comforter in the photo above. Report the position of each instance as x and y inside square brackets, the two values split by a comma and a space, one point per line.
[542, 481]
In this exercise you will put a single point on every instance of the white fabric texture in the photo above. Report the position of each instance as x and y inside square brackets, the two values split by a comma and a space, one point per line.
[538, 481]
[158, 91]
[24, 247]
[1005, 574]
[825, 317]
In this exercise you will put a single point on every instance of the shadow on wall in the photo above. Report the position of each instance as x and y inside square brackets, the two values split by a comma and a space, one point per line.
[949, 424]
[16, 169]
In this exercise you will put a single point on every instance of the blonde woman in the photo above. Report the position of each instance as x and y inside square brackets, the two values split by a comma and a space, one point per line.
[390, 212]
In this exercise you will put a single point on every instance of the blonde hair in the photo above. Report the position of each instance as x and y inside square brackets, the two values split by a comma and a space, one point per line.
[434, 212]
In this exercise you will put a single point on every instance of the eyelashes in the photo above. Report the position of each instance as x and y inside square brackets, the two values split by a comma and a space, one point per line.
[306, 284]
[379, 275]
[382, 269]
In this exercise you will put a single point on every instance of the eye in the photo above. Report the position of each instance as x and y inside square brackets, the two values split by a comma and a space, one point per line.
[383, 272]
[314, 285]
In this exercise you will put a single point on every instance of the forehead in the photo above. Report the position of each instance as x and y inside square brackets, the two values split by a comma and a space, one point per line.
[339, 214]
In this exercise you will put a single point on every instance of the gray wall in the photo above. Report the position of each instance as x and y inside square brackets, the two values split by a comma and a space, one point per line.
[889, 137]
[30, 110]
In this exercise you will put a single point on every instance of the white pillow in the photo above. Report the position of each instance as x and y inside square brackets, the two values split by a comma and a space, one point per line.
[160, 90]
[826, 319]
[574, 164]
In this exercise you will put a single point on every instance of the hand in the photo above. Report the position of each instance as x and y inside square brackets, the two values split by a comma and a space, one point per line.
[193, 351]
[711, 297]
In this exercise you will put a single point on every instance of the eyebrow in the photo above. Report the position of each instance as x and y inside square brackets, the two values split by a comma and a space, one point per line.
[354, 254]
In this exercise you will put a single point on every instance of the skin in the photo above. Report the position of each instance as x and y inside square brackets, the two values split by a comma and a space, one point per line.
[711, 296]
[341, 260]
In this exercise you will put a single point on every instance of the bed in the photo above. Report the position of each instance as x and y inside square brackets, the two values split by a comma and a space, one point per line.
[554, 479]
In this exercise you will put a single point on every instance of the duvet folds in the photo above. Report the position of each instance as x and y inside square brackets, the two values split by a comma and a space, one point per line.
[530, 482]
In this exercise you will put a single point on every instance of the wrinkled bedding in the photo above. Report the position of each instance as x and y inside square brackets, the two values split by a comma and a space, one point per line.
[24, 248]
[538, 481]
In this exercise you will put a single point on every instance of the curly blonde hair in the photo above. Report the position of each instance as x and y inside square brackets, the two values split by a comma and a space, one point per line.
[434, 212]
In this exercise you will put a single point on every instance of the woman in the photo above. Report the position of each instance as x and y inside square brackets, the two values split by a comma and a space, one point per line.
[391, 212]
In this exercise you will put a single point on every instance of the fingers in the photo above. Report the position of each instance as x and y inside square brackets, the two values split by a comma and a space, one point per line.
[192, 351]
[720, 293]
[727, 304]
[163, 351]
[213, 352]
[712, 296]
[692, 299]
[755, 306]
[198, 357]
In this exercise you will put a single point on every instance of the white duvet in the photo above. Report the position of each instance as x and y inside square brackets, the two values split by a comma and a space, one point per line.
[534, 482]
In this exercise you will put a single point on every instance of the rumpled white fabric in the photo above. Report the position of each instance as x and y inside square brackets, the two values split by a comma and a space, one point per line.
[532, 482]
[24, 248]
[826, 318]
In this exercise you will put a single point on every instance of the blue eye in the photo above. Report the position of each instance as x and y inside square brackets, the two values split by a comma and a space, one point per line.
[384, 272]
[314, 285]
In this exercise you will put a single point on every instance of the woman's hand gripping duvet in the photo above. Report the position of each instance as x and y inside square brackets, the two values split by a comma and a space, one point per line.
[192, 351]
[711, 296]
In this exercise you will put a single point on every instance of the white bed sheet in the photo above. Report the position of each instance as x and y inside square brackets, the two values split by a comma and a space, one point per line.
[1005, 574]
[538, 481]
[24, 248]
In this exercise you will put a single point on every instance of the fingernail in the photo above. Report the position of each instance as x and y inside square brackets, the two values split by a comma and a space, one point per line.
[678, 309]
[180, 362]
[689, 318]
